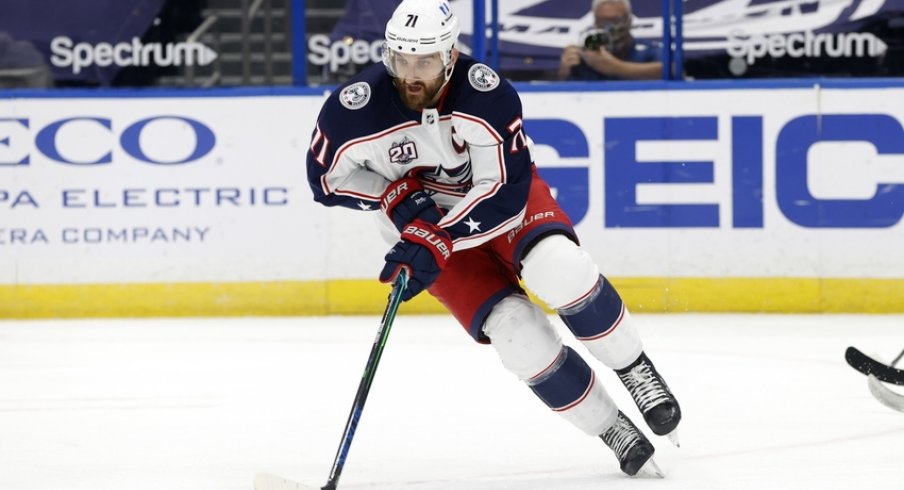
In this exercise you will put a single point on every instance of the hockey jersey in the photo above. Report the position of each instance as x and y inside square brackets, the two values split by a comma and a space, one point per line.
[470, 152]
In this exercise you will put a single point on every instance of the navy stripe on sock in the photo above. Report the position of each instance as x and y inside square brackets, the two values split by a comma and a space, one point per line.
[600, 314]
[566, 384]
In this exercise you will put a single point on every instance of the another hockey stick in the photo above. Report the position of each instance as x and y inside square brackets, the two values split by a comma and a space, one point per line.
[267, 481]
[877, 372]
[867, 365]
[885, 396]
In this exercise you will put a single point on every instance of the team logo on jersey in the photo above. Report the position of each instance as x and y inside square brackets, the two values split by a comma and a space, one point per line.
[355, 96]
[450, 181]
[482, 77]
[403, 152]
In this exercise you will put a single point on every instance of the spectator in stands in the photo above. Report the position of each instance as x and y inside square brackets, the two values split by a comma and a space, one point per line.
[22, 65]
[609, 51]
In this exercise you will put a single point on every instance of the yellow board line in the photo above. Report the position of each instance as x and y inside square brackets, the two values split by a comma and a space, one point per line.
[368, 297]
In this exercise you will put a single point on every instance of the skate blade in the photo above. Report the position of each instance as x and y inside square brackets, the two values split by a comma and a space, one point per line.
[673, 438]
[650, 470]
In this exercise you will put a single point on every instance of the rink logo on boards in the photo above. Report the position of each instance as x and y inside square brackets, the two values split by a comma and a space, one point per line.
[97, 236]
[146, 197]
[746, 49]
[342, 52]
[807, 154]
[67, 53]
[95, 140]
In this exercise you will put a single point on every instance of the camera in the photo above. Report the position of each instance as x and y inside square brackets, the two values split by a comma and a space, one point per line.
[614, 36]
[596, 39]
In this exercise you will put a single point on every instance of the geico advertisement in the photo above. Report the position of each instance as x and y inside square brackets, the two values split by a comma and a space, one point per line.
[687, 183]
[792, 182]
[155, 189]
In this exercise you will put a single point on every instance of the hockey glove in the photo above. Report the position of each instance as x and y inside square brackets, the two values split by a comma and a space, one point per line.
[423, 250]
[405, 201]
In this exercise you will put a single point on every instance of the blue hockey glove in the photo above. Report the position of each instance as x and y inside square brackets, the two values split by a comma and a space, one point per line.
[423, 250]
[405, 201]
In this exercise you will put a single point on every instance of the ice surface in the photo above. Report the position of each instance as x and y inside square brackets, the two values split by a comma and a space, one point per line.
[193, 404]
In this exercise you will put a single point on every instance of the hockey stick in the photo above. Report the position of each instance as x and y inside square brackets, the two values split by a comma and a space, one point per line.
[267, 481]
[877, 372]
[867, 365]
[885, 396]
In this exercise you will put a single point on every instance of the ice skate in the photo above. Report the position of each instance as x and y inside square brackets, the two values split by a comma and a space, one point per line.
[631, 447]
[654, 399]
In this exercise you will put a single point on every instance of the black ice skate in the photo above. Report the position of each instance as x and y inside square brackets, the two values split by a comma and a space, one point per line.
[631, 447]
[654, 399]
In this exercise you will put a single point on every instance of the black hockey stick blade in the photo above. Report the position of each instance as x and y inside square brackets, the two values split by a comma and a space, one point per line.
[885, 396]
[869, 366]
[269, 481]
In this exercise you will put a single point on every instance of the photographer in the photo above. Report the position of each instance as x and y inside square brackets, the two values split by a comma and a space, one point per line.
[608, 51]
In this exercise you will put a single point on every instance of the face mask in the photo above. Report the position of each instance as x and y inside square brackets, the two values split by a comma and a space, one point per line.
[413, 67]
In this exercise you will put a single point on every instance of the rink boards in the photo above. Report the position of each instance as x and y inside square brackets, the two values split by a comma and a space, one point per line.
[782, 196]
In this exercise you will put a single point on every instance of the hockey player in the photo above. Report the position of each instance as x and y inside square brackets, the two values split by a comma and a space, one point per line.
[435, 141]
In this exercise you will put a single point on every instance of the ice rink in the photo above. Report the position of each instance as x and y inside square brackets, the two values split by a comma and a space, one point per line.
[204, 404]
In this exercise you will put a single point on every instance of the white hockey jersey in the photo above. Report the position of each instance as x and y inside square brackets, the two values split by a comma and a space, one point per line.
[470, 153]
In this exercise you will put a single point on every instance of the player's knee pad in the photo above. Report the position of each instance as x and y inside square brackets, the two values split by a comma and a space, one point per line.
[570, 388]
[602, 322]
[559, 272]
[522, 336]
[529, 347]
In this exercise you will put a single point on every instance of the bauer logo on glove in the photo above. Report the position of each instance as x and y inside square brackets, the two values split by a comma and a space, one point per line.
[392, 193]
[405, 200]
[423, 251]
[440, 244]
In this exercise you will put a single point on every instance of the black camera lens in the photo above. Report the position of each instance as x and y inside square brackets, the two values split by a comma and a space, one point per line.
[595, 40]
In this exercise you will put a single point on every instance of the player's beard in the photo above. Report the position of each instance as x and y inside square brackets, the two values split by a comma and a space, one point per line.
[418, 94]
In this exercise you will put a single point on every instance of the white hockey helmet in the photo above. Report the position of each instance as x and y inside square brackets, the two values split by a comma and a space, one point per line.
[419, 27]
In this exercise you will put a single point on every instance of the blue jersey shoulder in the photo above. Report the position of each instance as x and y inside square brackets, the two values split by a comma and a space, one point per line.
[479, 91]
[367, 104]
[360, 107]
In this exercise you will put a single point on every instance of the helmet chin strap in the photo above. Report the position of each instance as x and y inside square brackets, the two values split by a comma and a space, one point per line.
[447, 73]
